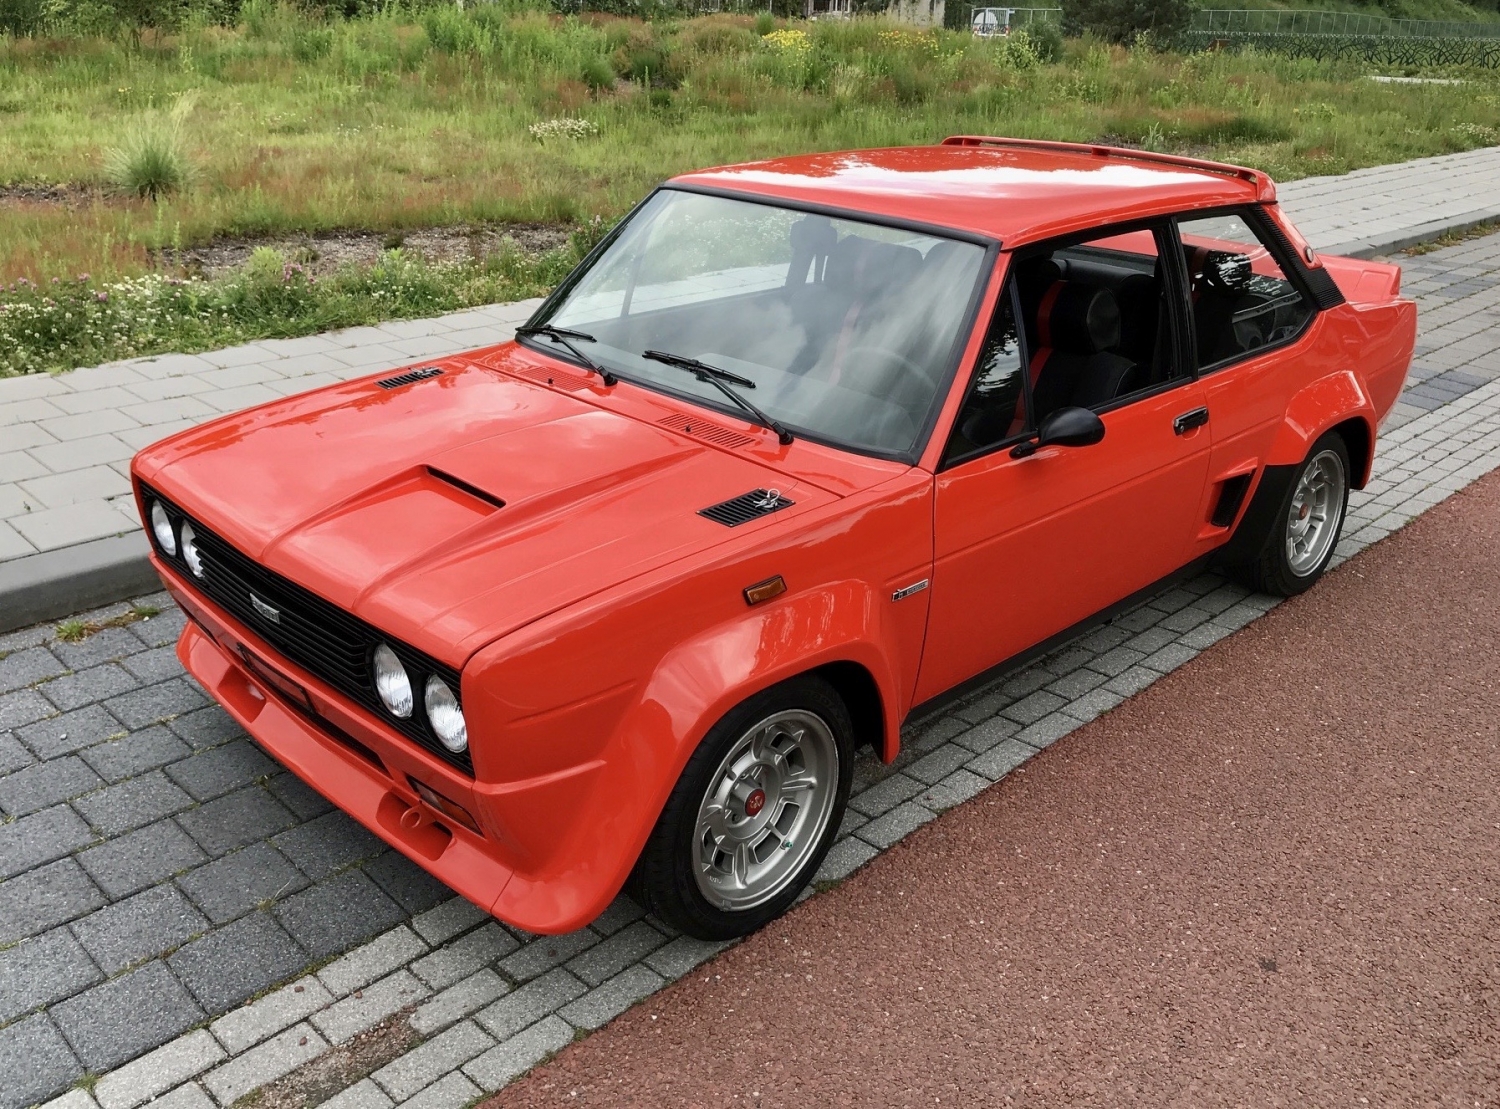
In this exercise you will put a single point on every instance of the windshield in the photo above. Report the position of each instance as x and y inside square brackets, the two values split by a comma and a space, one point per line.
[846, 328]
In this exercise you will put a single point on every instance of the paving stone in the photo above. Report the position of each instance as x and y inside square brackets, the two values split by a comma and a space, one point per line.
[604, 960]
[264, 1064]
[76, 1098]
[71, 731]
[406, 883]
[895, 825]
[40, 899]
[441, 923]
[13, 755]
[155, 664]
[24, 706]
[42, 970]
[1001, 759]
[343, 1020]
[207, 727]
[1093, 704]
[1132, 681]
[40, 838]
[140, 927]
[73, 691]
[160, 631]
[939, 764]
[237, 961]
[605, 1002]
[36, 1062]
[232, 886]
[546, 952]
[27, 667]
[132, 804]
[1152, 639]
[326, 845]
[885, 795]
[337, 914]
[215, 772]
[375, 959]
[364, 1094]
[1116, 661]
[427, 1063]
[235, 820]
[458, 1001]
[248, 1025]
[137, 753]
[618, 914]
[304, 801]
[530, 1003]
[452, 1092]
[481, 947]
[851, 822]
[684, 953]
[953, 790]
[141, 858]
[982, 737]
[117, 1020]
[104, 645]
[1047, 731]
[842, 860]
[155, 703]
[46, 783]
[513, 1057]
[159, 1071]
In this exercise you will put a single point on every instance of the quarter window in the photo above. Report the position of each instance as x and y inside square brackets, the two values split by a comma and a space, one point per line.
[1242, 299]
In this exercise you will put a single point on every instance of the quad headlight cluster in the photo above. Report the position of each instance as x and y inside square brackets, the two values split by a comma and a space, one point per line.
[394, 686]
[175, 537]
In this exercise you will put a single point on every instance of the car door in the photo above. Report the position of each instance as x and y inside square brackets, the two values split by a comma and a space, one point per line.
[1025, 547]
[1244, 311]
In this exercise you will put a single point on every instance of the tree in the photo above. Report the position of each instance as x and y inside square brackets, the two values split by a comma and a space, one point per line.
[1123, 20]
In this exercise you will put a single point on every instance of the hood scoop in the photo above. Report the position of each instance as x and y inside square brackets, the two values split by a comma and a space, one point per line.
[472, 490]
[409, 377]
[746, 507]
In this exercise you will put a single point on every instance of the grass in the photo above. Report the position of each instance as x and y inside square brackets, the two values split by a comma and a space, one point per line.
[76, 631]
[401, 120]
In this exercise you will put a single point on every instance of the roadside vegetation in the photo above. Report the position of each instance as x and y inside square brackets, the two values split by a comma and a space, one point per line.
[121, 149]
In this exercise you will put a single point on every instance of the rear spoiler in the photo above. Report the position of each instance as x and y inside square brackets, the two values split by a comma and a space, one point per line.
[1265, 188]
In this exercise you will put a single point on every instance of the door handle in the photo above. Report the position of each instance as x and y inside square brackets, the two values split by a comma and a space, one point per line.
[1189, 420]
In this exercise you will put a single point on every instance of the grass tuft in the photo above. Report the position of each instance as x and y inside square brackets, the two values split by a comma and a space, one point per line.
[72, 631]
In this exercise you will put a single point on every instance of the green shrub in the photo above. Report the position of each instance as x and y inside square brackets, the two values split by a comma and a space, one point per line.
[1046, 39]
[150, 162]
[1124, 21]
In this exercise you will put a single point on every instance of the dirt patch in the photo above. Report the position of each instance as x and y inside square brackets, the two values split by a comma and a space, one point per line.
[327, 252]
[319, 1079]
[68, 194]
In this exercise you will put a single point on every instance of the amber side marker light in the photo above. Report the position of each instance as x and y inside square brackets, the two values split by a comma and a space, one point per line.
[452, 809]
[765, 590]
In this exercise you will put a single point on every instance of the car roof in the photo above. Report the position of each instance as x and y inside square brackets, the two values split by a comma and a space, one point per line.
[1017, 191]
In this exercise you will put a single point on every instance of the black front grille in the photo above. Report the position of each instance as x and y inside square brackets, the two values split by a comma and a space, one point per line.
[746, 507]
[315, 634]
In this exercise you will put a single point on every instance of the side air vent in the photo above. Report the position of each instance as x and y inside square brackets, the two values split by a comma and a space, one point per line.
[408, 377]
[746, 507]
[703, 429]
[1231, 496]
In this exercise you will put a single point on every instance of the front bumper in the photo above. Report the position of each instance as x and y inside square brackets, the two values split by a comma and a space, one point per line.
[333, 751]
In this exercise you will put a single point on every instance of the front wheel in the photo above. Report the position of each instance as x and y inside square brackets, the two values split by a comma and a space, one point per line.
[753, 814]
[1305, 531]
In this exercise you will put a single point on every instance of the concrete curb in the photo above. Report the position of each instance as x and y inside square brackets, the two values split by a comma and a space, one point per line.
[57, 583]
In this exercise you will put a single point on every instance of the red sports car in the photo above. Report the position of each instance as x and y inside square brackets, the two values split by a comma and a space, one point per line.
[803, 446]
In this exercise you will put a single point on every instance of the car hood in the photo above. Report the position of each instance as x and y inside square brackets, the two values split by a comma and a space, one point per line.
[453, 510]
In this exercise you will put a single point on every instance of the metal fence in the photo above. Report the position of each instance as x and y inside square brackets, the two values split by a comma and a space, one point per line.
[1297, 22]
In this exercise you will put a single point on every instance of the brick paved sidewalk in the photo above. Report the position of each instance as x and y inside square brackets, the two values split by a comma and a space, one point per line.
[157, 871]
[66, 441]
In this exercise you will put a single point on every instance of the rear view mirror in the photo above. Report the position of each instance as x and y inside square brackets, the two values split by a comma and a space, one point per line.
[1067, 427]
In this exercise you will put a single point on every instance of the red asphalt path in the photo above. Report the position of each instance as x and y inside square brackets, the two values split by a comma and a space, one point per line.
[1269, 879]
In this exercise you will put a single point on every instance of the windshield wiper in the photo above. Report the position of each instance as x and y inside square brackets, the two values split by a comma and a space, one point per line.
[564, 337]
[718, 379]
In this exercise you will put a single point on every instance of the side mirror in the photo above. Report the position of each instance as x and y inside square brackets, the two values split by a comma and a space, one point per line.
[1066, 427]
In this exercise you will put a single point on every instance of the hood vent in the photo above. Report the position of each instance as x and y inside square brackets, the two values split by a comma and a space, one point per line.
[746, 507]
[472, 490]
[544, 375]
[703, 429]
[408, 377]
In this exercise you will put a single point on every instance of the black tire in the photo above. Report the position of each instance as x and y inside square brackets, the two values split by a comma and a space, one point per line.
[1270, 569]
[664, 876]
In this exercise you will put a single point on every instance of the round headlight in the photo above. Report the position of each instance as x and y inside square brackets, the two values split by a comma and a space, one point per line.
[392, 683]
[446, 718]
[190, 553]
[161, 527]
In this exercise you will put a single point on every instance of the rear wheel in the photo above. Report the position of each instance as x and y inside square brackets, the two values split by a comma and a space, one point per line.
[753, 814]
[1303, 534]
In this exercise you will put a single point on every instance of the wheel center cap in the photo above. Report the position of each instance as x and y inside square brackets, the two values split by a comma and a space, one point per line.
[755, 802]
[1303, 511]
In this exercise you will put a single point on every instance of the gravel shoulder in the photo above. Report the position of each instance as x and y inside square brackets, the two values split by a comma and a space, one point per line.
[1271, 878]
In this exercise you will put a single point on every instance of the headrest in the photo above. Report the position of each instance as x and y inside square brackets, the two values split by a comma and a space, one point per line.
[1223, 271]
[1078, 318]
[814, 234]
[861, 267]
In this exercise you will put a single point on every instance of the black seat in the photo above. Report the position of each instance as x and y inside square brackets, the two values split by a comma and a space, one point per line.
[1076, 363]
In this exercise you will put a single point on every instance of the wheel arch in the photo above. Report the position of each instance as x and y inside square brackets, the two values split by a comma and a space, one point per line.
[860, 692]
[1359, 438]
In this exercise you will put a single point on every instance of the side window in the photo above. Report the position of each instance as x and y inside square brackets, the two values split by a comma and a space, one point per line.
[995, 409]
[1242, 300]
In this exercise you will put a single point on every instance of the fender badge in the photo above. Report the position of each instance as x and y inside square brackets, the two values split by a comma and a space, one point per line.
[902, 594]
[264, 610]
